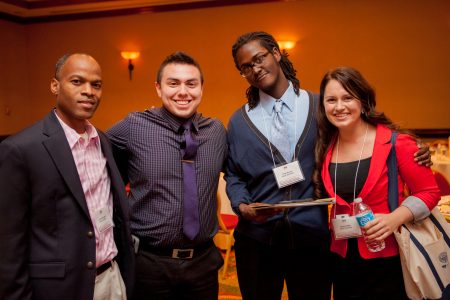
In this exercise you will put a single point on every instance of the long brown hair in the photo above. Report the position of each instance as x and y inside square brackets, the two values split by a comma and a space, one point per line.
[355, 84]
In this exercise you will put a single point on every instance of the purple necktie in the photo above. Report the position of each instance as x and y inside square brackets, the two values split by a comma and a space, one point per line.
[191, 224]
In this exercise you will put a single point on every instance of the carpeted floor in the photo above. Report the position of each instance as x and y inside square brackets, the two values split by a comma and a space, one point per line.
[228, 286]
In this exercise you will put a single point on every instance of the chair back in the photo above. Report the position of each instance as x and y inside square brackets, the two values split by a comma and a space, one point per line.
[227, 222]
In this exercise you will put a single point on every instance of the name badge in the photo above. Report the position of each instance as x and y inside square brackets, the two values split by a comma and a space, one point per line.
[345, 227]
[288, 174]
[103, 220]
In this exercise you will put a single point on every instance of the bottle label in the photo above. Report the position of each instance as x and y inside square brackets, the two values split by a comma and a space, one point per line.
[364, 218]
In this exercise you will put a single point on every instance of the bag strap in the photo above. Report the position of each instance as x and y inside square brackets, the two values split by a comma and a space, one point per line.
[393, 204]
[424, 252]
[392, 174]
[393, 186]
[441, 229]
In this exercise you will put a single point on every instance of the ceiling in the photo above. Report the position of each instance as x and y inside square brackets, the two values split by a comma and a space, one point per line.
[29, 11]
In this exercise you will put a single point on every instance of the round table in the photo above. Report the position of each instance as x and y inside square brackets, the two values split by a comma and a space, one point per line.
[441, 164]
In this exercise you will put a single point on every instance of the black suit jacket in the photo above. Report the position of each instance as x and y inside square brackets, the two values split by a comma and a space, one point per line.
[46, 240]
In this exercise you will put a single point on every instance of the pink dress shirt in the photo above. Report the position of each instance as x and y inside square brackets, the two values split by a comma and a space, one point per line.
[91, 166]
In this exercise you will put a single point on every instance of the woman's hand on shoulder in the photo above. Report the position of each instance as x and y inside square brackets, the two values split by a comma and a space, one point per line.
[423, 155]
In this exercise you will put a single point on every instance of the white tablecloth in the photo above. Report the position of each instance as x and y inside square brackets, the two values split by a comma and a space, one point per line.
[441, 164]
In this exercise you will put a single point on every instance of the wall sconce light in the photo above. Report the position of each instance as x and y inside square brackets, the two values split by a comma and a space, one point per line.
[286, 45]
[130, 55]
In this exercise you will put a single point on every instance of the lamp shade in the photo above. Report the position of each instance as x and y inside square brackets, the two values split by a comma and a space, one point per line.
[130, 54]
[286, 45]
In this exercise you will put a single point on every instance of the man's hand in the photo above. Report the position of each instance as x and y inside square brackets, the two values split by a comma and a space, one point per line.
[260, 216]
[423, 155]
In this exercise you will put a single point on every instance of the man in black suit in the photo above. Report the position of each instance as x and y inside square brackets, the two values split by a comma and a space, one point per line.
[64, 230]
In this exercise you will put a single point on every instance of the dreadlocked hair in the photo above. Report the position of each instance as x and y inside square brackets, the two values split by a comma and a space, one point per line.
[267, 41]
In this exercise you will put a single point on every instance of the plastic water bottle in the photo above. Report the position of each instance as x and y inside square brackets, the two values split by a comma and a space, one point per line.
[363, 215]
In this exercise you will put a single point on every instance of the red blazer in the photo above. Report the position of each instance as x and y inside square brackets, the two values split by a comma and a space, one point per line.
[419, 179]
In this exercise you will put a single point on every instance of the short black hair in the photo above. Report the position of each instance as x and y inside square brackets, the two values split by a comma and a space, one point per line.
[178, 57]
[62, 61]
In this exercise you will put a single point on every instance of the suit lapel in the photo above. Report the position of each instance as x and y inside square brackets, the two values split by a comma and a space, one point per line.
[381, 150]
[117, 186]
[326, 177]
[59, 150]
[328, 183]
[109, 157]
[380, 153]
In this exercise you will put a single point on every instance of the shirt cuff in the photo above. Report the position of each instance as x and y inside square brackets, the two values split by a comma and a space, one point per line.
[417, 207]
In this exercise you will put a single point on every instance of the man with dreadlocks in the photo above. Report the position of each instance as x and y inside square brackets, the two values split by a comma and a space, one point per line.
[273, 247]
[271, 159]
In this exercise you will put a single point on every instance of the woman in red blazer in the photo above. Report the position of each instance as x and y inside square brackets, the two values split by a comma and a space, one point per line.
[351, 153]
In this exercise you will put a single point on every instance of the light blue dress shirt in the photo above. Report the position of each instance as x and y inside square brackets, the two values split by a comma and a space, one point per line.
[295, 112]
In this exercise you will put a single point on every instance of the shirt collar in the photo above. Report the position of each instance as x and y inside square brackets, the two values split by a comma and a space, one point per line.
[73, 137]
[268, 102]
[175, 122]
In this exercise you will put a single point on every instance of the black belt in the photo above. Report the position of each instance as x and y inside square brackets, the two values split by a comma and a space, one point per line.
[104, 267]
[182, 253]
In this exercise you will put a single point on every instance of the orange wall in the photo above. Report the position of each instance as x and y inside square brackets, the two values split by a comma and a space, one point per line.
[15, 102]
[401, 46]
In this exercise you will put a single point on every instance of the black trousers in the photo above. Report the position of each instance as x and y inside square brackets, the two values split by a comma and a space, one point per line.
[355, 278]
[165, 278]
[262, 270]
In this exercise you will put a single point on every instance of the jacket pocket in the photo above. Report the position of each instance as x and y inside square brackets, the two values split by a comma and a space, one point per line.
[47, 270]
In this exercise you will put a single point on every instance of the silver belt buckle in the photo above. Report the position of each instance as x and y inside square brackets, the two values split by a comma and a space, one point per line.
[182, 253]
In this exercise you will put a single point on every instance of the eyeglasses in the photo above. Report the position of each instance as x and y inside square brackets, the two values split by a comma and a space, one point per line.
[247, 69]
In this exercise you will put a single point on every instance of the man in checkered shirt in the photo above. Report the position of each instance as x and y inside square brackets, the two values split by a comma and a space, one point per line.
[149, 149]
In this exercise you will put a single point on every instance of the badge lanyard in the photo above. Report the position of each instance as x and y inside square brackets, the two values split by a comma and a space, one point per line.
[345, 226]
[357, 168]
[267, 131]
[288, 173]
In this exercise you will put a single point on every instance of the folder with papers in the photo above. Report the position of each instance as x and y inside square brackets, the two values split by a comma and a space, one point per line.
[292, 203]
